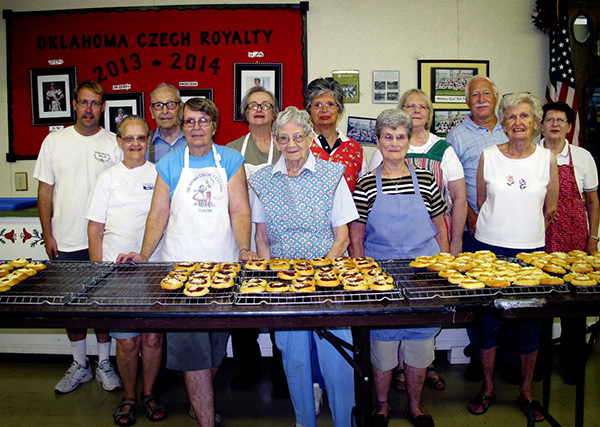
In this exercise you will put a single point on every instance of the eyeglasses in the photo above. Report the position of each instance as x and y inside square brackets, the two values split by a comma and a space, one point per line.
[327, 105]
[171, 105]
[285, 139]
[413, 107]
[265, 106]
[85, 103]
[202, 122]
[558, 120]
[390, 138]
[142, 139]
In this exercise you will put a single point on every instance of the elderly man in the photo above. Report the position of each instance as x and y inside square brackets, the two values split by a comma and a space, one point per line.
[68, 164]
[165, 103]
[479, 130]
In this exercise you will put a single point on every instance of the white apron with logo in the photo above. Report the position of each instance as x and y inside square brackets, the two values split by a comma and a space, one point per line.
[251, 169]
[199, 227]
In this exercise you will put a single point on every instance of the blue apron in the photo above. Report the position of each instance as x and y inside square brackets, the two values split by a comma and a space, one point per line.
[399, 226]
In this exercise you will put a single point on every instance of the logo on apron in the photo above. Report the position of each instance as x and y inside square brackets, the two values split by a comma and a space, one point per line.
[206, 189]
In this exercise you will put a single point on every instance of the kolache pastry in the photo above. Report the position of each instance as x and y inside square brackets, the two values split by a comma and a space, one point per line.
[196, 291]
[276, 287]
[321, 261]
[221, 281]
[36, 265]
[303, 284]
[256, 264]
[253, 286]
[287, 274]
[19, 262]
[171, 283]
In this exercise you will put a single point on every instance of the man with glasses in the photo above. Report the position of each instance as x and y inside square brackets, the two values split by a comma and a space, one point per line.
[165, 103]
[68, 164]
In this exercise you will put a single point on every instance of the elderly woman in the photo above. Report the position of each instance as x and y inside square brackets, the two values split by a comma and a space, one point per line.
[430, 152]
[401, 216]
[117, 212]
[258, 108]
[201, 204]
[292, 223]
[517, 192]
[574, 227]
[323, 99]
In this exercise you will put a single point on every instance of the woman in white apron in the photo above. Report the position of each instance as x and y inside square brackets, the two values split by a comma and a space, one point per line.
[201, 204]
[259, 108]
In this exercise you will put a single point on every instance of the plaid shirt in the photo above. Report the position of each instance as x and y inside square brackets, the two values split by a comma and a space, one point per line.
[469, 140]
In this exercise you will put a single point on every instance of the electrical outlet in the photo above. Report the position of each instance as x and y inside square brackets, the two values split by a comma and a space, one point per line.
[21, 181]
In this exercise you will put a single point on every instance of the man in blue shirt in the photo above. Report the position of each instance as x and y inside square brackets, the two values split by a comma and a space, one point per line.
[165, 103]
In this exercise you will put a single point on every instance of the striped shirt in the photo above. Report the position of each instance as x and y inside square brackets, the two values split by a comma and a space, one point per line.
[365, 192]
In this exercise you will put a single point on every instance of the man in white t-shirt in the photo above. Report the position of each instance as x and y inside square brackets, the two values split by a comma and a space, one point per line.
[68, 164]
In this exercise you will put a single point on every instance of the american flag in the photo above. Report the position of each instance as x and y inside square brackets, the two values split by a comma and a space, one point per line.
[561, 79]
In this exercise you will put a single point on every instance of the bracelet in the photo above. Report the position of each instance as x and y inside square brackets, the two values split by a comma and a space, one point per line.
[244, 249]
[596, 238]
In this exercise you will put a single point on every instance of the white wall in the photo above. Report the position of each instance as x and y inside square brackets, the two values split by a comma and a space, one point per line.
[366, 36]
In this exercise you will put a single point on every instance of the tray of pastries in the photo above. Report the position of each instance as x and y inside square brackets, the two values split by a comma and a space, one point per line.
[315, 281]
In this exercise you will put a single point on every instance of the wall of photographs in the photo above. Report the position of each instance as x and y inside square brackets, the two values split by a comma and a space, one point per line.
[216, 52]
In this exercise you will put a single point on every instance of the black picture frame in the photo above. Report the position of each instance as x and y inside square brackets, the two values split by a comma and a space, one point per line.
[268, 76]
[433, 73]
[125, 102]
[186, 94]
[52, 106]
[362, 129]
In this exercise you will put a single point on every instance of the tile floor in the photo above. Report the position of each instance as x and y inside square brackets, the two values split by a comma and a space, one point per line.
[28, 399]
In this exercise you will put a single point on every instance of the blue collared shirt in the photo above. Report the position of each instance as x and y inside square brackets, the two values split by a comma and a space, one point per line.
[469, 140]
[162, 147]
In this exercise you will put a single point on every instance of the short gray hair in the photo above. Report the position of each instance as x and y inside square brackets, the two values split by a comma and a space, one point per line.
[477, 77]
[252, 90]
[163, 85]
[424, 97]
[511, 100]
[129, 119]
[322, 86]
[292, 114]
[393, 119]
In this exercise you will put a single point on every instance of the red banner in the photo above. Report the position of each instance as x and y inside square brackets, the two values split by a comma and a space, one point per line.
[133, 50]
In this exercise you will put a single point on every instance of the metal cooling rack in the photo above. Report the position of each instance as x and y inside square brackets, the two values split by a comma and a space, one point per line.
[57, 284]
[139, 285]
[420, 283]
[335, 295]
[585, 290]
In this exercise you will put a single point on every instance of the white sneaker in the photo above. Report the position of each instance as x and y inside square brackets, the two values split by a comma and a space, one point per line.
[75, 375]
[318, 392]
[107, 377]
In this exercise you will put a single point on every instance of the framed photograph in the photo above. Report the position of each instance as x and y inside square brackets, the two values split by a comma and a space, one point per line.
[246, 76]
[446, 119]
[386, 86]
[444, 80]
[362, 129]
[52, 95]
[195, 93]
[119, 106]
[350, 84]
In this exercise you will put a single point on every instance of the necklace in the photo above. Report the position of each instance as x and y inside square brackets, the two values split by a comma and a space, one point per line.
[395, 181]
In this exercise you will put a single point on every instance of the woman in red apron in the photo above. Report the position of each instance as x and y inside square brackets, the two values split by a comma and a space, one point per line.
[572, 228]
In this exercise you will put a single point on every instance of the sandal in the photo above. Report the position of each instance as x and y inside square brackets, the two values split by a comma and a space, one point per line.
[525, 405]
[436, 383]
[398, 384]
[157, 412]
[424, 420]
[379, 419]
[482, 401]
[122, 417]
